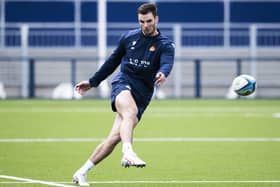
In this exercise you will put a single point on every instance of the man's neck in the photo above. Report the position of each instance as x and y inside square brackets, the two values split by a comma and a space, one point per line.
[155, 33]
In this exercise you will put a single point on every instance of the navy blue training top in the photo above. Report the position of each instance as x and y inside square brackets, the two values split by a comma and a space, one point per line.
[141, 58]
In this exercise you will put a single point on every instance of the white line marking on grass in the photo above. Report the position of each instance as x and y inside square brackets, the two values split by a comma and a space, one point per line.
[10, 140]
[163, 182]
[182, 182]
[276, 115]
[209, 114]
[53, 110]
[34, 181]
[207, 139]
[15, 182]
[152, 139]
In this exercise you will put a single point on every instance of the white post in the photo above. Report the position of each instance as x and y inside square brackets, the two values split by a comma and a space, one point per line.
[102, 43]
[253, 52]
[226, 23]
[102, 30]
[24, 29]
[77, 23]
[177, 33]
[2, 24]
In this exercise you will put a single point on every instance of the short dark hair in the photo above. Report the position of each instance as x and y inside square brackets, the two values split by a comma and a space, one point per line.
[146, 8]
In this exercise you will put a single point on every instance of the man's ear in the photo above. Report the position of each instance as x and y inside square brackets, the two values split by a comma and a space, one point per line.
[156, 19]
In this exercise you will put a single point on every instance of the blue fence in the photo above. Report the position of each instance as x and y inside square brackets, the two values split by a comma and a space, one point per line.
[124, 12]
[198, 78]
[191, 37]
[182, 11]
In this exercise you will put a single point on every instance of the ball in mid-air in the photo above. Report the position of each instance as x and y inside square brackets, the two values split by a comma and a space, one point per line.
[244, 85]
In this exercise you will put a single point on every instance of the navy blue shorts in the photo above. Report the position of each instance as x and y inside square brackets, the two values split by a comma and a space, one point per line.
[141, 101]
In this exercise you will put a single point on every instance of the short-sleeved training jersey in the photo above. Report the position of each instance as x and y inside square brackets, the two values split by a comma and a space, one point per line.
[140, 57]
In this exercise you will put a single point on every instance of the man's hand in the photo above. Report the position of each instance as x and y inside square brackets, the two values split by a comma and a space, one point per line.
[82, 87]
[160, 78]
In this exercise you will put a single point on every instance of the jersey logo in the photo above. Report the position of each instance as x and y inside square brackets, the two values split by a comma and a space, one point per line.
[133, 43]
[152, 48]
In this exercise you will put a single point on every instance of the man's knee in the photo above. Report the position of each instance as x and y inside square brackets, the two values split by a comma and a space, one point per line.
[130, 113]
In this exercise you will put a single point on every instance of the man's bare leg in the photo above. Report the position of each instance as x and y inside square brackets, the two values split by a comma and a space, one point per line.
[108, 145]
[100, 152]
[128, 110]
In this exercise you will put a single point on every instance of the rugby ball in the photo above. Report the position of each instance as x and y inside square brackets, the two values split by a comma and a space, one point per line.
[244, 85]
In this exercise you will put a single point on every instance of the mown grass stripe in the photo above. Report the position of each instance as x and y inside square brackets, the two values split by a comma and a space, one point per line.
[152, 139]
[34, 181]
[155, 182]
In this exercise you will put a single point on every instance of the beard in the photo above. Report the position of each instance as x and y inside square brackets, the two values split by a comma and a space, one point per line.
[149, 32]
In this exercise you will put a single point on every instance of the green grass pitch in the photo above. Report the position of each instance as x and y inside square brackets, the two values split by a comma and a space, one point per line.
[193, 143]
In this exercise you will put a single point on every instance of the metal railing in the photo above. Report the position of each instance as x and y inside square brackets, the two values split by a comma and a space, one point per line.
[52, 35]
[200, 77]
